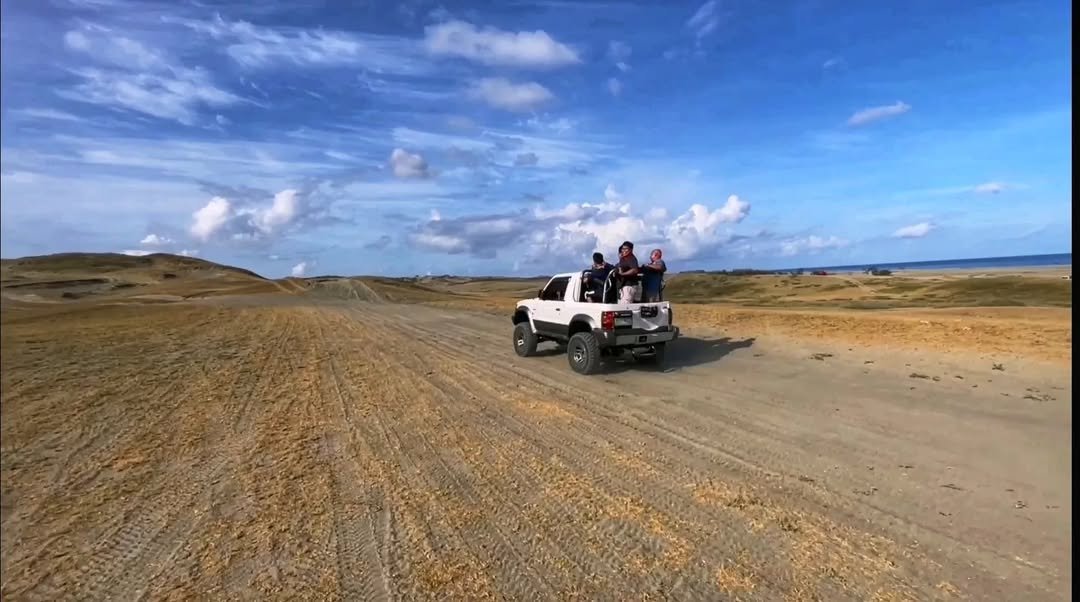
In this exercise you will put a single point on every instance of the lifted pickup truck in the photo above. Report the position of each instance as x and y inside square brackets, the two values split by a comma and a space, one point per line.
[565, 311]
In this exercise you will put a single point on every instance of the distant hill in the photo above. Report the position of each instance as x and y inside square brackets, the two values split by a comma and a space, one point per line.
[113, 262]
[115, 276]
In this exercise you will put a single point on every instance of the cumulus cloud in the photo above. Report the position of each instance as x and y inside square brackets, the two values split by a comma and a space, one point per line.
[501, 93]
[188, 252]
[300, 269]
[491, 46]
[211, 218]
[572, 232]
[222, 218]
[810, 244]
[136, 252]
[153, 240]
[918, 230]
[872, 114]
[408, 165]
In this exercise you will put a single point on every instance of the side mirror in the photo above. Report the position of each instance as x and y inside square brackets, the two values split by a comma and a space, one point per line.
[540, 294]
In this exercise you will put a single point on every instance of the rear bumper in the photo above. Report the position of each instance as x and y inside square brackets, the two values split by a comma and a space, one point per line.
[634, 337]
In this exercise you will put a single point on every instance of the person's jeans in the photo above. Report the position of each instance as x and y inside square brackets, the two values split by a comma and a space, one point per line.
[650, 297]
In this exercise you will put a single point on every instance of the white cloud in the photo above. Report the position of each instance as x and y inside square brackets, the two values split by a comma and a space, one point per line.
[257, 47]
[832, 63]
[572, 232]
[705, 20]
[872, 114]
[300, 269]
[501, 93]
[990, 188]
[810, 244]
[188, 252]
[222, 218]
[561, 125]
[697, 230]
[918, 230]
[105, 46]
[492, 46]
[282, 211]
[137, 78]
[136, 252]
[52, 114]
[408, 165]
[211, 218]
[153, 240]
[614, 86]
[610, 194]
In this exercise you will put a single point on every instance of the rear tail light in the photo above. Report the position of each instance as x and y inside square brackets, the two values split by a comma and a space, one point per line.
[607, 320]
[610, 320]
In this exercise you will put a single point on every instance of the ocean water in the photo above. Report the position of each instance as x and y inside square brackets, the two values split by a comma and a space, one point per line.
[1013, 261]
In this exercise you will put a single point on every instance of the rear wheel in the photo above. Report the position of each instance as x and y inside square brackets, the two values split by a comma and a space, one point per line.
[524, 340]
[583, 353]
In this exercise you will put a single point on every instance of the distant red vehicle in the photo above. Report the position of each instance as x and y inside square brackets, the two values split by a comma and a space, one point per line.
[819, 273]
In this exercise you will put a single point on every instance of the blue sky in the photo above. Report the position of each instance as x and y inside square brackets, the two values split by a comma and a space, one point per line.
[518, 137]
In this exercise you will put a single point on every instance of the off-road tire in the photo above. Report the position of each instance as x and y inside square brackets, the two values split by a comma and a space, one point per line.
[583, 353]
[525, 340]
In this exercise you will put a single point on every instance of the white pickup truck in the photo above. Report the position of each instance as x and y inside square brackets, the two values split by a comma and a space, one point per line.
[565, 311]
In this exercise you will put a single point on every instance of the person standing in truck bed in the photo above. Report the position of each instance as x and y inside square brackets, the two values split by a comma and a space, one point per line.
[628, 271]
[652, 277]
[598, 273]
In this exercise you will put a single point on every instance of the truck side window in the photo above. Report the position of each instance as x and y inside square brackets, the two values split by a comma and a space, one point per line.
[555, 289]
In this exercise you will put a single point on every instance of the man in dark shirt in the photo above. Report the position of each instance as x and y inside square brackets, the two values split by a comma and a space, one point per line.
[628, 271]
[598, 273]
[652, 277]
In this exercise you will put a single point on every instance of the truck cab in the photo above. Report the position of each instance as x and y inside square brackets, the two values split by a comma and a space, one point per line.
[573, 310]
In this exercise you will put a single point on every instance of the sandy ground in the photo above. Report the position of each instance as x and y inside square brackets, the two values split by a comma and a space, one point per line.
[282, 447]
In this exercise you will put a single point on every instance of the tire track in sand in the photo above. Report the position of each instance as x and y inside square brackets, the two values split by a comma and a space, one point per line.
[587, 500]
[433, 347]
[361, 512]
[448, 489]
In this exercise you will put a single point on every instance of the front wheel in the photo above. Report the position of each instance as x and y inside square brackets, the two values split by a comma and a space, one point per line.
[524, 340]
[583, 353]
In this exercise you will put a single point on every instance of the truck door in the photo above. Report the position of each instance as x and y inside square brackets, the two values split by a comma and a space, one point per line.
[548, 319]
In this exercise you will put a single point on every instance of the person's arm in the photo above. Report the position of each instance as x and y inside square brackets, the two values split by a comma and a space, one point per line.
[632, 270]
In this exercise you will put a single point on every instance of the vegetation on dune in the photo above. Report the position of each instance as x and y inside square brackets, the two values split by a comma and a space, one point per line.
[113, 262]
